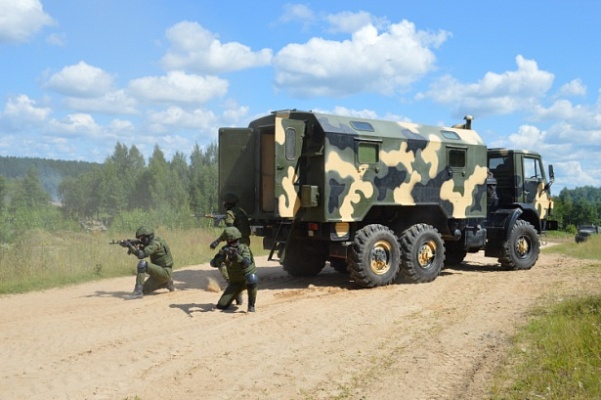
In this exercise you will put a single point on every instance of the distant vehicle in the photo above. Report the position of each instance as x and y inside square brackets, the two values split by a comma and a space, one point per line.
[378, 198]
[585, 231]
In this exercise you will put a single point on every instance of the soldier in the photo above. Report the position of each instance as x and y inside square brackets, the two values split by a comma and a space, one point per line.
[241, 269]
[236, 217]
[160, 267]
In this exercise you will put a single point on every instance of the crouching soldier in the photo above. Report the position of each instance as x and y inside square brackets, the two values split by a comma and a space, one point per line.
[241, 270]
[160, 267]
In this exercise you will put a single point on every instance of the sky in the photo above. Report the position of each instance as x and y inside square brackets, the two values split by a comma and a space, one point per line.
[77, 77]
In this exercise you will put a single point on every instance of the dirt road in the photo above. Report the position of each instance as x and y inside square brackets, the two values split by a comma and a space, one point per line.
[318, 338]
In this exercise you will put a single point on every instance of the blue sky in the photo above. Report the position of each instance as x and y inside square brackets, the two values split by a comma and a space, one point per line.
[76, 77]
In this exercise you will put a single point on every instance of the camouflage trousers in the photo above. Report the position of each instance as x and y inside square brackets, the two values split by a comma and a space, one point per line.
[232, 291]
[158, 277]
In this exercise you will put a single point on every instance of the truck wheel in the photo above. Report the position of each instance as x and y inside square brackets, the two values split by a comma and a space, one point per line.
[423, 253]
[521, 250]
[304, 258]
[374, 257]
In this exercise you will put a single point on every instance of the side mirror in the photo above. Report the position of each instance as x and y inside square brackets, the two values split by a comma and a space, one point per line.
[551, 177]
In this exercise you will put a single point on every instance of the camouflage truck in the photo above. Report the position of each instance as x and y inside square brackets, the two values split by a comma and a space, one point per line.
[378, 198]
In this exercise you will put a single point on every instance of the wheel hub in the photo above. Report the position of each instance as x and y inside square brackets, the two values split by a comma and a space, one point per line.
[380, 257]
[426, 254]
[522, 246]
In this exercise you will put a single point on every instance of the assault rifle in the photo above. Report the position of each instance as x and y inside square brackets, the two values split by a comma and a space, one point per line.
[217, 218]
[127, 242]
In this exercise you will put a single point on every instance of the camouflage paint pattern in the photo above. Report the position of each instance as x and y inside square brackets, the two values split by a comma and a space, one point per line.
[288, 200]
[412, 169]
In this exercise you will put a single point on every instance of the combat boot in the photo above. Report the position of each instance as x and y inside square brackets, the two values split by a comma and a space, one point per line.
[239, 299]
[137, 293]
[251, 309]
[170, 286]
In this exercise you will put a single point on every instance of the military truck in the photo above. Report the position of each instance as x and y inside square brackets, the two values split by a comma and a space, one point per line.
[379, 199]
[584, 232]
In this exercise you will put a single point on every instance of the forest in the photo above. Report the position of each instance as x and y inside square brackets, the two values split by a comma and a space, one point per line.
[53, 195]
[120, 192]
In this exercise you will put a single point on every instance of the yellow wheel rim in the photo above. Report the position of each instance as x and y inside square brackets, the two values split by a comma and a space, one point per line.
[426, 254]
[380, 257]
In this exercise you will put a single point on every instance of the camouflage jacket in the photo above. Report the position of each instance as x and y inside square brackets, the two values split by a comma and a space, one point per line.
[238, 260]
[237, 217]
[158, 251]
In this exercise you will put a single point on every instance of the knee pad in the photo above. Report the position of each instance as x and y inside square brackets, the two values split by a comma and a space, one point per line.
[252, 280]
[142, 266]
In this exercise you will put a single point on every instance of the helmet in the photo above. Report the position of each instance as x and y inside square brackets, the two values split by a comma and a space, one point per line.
[144, 231]
[232, 233]
[230, 198]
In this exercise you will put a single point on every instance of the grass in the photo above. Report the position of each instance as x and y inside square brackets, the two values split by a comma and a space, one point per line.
[589, 250]
[47, 260]
[557, 355]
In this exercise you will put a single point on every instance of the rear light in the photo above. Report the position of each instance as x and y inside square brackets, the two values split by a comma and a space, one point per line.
[312, 226]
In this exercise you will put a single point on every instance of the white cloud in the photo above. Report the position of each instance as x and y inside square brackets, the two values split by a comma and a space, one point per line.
[20, 20]
[494, 94]
[178, 87]
[194, 48]
[76, 125]
[57, 39]
[22, 113]
[370, 61]
[117, 102]
[164, 121]
[81, 80]
[574, 88]
[297, 13]
[571, 174]
[349, 22]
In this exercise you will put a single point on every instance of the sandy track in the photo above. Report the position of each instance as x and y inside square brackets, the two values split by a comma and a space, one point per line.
[313, 338]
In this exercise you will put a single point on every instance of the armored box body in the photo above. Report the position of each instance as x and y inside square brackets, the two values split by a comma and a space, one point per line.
[309, 166]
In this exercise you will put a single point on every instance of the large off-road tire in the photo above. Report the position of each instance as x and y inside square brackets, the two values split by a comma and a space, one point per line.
[521, 250]
[305, 258]
[374, 256]
[454, 253]
[423, 253]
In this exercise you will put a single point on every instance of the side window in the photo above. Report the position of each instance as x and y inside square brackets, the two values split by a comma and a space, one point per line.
[532, 168]
[290, 144]
[368, 153]
[457, 158]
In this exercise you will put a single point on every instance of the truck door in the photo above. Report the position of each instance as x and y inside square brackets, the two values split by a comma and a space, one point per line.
[533, 175]
[289, 135]
[237, 165]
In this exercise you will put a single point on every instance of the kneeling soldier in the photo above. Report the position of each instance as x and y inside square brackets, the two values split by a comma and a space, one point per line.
[160, 267]
[241, 270]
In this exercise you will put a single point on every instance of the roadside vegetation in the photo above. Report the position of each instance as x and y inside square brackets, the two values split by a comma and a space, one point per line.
[46, 260]
[557, 355]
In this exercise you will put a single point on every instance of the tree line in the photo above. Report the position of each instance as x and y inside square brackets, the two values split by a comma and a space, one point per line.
[579, 206]
[122, 191]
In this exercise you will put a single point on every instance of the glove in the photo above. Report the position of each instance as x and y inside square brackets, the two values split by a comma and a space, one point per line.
[214, 244]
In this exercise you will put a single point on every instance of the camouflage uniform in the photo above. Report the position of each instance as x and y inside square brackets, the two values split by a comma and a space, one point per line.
[236, 217]
[238, 259]
[160, 267]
